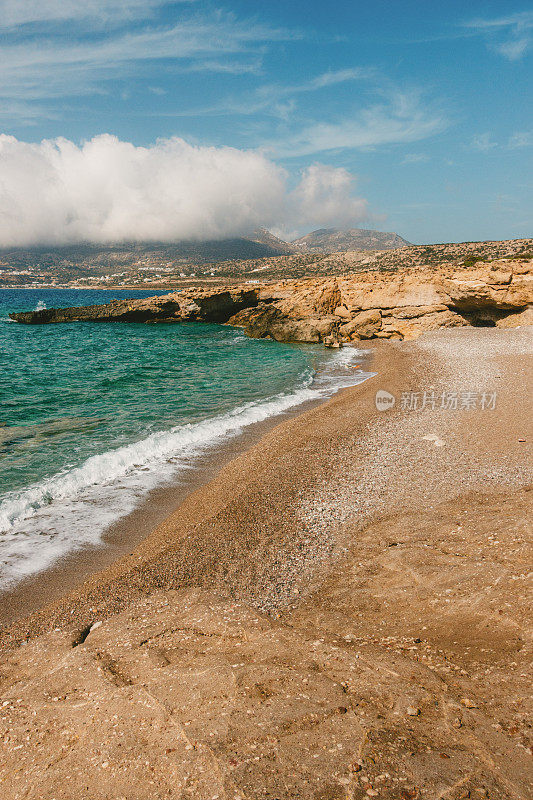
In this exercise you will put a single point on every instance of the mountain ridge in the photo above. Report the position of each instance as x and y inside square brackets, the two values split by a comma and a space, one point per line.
[97, 259]
[335, 240]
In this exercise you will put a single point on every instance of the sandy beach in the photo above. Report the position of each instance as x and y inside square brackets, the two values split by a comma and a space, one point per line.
[266, 410]
[340, 612]
[71, 570]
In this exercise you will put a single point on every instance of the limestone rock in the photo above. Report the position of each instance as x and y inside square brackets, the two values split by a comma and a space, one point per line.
[480, 294]
[342, 311]
[364, 325]
[328, 298]
[396, 325]
[204, 305]
[190, 695]
[524, 317]
[358, 306]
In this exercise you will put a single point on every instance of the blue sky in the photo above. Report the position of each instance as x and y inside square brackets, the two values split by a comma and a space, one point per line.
[427, 105]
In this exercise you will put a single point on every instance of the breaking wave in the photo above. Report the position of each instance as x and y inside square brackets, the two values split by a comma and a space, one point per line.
[73, 508]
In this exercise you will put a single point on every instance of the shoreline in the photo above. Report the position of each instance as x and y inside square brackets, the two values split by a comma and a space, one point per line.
[111, 588]
[343, 607]
[238, 529]
[69, 571]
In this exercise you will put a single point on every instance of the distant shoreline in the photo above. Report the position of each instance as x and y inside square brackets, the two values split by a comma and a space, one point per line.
[160, 268]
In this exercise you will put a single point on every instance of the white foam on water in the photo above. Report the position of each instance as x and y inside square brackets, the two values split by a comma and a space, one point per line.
[41, 305]
[73, 508]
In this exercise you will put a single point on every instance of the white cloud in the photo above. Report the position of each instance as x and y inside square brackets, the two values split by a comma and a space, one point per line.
[522, 20]
[403, 119]
[45, 65]
[521, 139]
[34, 12]
[415, 158]
[514, 49]
[274, 98]
[108, 190]
[331, 78]
[485, 143]
[516, 30]
[325, 197]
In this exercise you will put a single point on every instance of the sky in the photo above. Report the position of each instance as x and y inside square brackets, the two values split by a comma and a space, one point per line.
[147, 119]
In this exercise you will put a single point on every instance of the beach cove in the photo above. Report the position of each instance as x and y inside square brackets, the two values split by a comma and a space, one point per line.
[373, 555]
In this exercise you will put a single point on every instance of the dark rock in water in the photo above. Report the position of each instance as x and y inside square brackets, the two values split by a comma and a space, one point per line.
[203, 305]
[121, 312]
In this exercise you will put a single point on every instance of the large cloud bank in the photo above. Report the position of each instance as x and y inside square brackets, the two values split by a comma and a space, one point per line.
[106, 190]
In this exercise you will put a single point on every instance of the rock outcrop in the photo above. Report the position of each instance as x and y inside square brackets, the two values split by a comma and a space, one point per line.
[362, 306]
[391, 305]
[202, 305]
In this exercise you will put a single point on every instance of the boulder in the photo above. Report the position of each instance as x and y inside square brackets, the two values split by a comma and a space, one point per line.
[396, 325]
[257, 321]
[342, 312]
[266, 321]
[524, 317]
[312, 329]
[363, 325]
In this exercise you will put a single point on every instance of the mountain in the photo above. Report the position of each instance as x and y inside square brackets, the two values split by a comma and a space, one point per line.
[68, 262]
[139, 262]
[333, 240]
[264, 237]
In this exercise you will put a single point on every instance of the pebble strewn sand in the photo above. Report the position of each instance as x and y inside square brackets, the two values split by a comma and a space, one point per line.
[392, 466]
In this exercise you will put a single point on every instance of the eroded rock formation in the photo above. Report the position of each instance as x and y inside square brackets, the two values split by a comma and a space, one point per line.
[362, 306]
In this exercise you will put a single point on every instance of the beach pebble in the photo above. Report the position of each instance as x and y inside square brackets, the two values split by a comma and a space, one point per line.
[412, 711]
[431, 437]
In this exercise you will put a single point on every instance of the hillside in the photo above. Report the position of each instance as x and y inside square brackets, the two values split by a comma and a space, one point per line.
[134, 261]
[159, 267]
[333, 240]
[69, 262]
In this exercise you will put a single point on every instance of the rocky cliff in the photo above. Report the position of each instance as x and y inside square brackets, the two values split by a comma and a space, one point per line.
[362, 306]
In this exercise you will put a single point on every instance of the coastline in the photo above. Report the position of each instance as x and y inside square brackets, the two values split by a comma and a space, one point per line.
[213, 536]
[70, 570]
[343, 607]
[201, 515]
[33, 605]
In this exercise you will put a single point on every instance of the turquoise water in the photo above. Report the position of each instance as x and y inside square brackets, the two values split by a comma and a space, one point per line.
[93, 416]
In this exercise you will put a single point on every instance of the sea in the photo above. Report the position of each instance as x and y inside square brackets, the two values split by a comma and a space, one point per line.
[94, 416]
